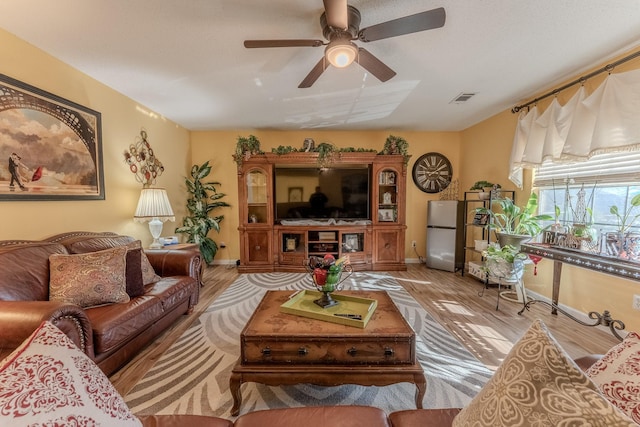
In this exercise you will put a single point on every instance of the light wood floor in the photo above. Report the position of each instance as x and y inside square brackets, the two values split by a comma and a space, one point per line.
[451, 299]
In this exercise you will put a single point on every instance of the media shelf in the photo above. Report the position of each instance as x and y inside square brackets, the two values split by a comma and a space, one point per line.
[375, 242]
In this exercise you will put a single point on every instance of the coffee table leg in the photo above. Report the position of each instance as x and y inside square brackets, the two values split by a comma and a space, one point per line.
[234, 386]
[421, 389]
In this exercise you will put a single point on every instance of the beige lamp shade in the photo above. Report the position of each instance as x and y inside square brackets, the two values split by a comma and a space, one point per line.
[154, 206]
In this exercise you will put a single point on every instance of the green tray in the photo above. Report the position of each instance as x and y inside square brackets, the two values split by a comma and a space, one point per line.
[301, 304]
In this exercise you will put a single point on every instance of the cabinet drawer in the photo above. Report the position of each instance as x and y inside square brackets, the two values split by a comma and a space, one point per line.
[378, 352]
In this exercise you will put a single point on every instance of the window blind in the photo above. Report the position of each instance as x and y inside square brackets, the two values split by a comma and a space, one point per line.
[610, 168]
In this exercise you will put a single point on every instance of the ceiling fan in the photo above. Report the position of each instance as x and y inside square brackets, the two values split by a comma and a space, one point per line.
[341, 26]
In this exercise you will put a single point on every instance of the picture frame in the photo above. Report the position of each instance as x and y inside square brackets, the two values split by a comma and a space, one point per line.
[386, 215]
[351, 243]
[60, 158]
[481, 218]
[295, 194]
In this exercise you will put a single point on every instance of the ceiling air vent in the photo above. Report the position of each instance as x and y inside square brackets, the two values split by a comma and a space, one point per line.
[462, 98]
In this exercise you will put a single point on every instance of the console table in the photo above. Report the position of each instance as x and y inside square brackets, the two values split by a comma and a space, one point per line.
[602, 264]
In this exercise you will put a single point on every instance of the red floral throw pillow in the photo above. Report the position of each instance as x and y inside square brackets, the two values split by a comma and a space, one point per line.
[48, 381]
[617, 375]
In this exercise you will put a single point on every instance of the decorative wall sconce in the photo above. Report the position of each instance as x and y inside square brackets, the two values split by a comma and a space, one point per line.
[142, 161]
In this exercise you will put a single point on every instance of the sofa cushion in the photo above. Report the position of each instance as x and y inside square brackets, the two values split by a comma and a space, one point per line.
[24, 271]
[148, 273]
[539, 384]
[423, 417]
[315, 416]
[84, 244]
[81, 245]
[135, 285]
[89, 279]
[49, 381]
[172, 291]
[117, 323]
[617, 375]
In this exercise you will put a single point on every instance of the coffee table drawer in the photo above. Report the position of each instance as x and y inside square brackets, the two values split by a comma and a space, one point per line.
[337, 352]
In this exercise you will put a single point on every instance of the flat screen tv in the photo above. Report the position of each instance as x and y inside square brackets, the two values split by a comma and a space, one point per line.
[303, 192]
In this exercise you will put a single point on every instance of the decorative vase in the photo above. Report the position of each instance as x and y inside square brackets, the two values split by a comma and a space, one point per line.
[484, 195]
[514, 240]
[631, 247]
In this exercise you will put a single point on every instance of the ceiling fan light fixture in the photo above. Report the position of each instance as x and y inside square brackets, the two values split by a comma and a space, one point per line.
[341, 53]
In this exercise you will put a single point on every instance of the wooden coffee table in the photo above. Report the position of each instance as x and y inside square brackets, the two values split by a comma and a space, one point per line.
[286, 349]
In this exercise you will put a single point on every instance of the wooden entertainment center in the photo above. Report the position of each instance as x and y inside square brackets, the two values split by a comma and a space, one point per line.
[271, 242]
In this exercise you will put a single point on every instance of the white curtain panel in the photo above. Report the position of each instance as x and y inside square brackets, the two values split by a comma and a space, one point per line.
[608, 120]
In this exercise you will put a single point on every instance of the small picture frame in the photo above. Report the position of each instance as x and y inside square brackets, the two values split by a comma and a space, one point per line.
[386, 215]
[351, 242]
[295, 194]
[481, 218]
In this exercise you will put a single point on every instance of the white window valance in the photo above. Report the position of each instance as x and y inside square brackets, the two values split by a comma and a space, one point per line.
[606, 121]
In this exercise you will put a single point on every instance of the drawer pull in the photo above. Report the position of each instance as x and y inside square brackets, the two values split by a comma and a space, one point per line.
[258, 247]
[353, 352]
[268, 352]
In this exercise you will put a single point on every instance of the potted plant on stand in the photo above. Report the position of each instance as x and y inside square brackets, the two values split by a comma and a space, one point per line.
[505, 266]
[484, 189]
[203, 199]
[626, 243]
[513, 224]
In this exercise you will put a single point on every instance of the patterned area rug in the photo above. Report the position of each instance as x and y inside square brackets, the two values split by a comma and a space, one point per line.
[192, 377]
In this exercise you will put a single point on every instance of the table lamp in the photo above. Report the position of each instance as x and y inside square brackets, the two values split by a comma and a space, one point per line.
[153, 206]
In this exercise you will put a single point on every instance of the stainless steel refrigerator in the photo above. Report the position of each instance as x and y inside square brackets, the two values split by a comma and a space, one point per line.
[445, 236]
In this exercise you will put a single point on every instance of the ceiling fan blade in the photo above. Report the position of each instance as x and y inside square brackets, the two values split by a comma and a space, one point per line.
[374, 65]
[409, 24]
[336, 13]
[314, 74]
[282, 43]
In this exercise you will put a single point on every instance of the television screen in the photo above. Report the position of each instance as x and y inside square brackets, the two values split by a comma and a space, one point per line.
[303, 192]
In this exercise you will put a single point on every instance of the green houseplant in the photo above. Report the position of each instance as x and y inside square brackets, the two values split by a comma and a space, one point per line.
[203, 199]
[245, 147]
[514, 224]
[627, 218]
[481, 185]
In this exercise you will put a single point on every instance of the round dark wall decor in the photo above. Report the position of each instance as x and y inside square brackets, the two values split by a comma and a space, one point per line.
[432, 172]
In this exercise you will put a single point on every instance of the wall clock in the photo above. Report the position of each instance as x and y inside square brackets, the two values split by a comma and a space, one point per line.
[432, 172]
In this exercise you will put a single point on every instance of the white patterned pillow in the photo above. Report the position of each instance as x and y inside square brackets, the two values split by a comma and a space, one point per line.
[48, 381]
[539, 384]
[617, 375]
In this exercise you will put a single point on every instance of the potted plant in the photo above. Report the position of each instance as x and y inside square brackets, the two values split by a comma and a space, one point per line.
[505, 264]
[245, 147]
[513, 224]
[484, 188]
[203, 199]
[623, 243]
[396, 145]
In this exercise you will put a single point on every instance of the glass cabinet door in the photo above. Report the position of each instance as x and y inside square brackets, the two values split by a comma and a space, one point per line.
[387, 196]
[256, 196]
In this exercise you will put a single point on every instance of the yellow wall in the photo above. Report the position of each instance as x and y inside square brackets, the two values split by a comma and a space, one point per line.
[485, 155]
[122, 120]
[480, 152]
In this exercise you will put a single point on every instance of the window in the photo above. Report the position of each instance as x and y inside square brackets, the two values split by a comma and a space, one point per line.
[607, 179]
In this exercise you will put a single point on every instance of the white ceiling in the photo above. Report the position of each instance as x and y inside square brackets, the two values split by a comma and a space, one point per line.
[185, 59]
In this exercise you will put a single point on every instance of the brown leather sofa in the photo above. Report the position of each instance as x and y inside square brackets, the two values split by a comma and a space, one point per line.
[314, 416]
[110, 335]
